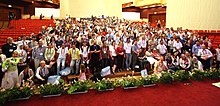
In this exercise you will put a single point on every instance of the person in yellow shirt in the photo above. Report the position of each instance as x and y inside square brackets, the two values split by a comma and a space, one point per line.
[74, 53]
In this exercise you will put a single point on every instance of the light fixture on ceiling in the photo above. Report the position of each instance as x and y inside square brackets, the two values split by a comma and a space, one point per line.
[155, 12]
[9, 5]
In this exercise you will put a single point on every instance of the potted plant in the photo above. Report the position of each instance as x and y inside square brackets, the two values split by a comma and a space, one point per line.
[3, 97]
[129, 82]
[150, 80]
[181, 76]
[198, 75]
[212, 74]
[79, 87]
[104, 85]
[20, 93]
[166, 77]
[50, 90]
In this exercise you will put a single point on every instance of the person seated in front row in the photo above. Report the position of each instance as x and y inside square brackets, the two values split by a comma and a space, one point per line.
[160, 65]
[185, 63]
[26, 76]
[42, 72]
[196, 64]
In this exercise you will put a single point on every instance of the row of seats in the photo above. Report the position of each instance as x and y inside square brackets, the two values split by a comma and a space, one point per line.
[23, 27]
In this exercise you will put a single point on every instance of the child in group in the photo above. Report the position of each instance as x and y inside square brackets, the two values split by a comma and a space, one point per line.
[82, 75]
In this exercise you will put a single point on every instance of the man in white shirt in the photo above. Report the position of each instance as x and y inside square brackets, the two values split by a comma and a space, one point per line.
[142, 43]
[204, 56]
[177, 45]
[217, 56]
[162, 48]
[42, 72]
[63, 51]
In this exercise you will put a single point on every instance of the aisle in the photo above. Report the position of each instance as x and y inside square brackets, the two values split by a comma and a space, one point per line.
[196, 94]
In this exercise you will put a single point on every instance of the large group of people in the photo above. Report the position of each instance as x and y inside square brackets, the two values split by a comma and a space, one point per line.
[89, 45]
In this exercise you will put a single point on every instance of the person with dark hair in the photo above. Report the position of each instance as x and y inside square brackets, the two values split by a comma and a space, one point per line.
[135, 52]
[196, 48]
[104, 56]
[120, 56]
[9, 47]
[127, 47]
[95, 57]
[26, 76]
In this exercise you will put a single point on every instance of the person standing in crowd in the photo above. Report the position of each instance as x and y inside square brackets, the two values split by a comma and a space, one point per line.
[95, 57]
[135, 53]
[127, 47]
[2, 59]
[58, 42]
[9, 47]
[162, 48]
[170, 45]
[217, 56]
[196, 48]
[49, 53]
[74, 53]
[62, 53]
[213, 51]
[120, 56]
[33, 43]
[10, 79]
[178, 45]
[84, 52]
[38, 54]
[113, 56]
[205, 56]
[104, 57]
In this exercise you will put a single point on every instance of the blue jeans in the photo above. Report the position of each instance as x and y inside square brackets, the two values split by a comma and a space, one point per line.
[128, 60]
[72, 64]
[62, 61]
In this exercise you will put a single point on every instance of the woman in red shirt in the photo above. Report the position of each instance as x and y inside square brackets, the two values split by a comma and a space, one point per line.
[120, 56]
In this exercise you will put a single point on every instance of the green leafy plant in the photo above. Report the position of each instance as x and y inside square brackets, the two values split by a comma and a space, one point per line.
[212, 74]
[198, 75]
[79, 86]
[130, 82]
[166, 77]
[20, 92]
[52, 89]
[3, 97]
[104, 84]
[150, 79]
[181, 75]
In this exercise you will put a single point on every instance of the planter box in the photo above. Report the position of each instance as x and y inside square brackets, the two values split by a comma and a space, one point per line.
[110, 89]
[149, 85]
[82, 92]
[45, 96]
[26, 98]
[130, 87]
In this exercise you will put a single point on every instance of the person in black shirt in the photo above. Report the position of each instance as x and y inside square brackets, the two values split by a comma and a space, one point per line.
[95, 57]
[75, 42]
[9, 47]
[58, 42]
